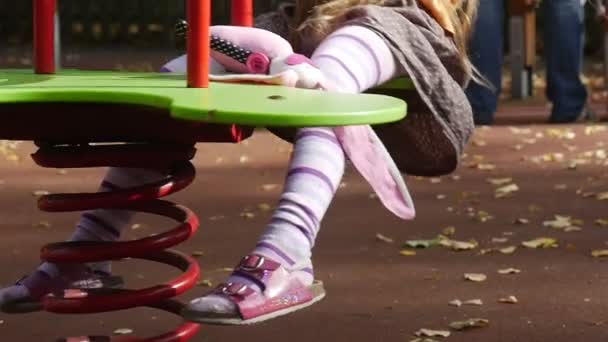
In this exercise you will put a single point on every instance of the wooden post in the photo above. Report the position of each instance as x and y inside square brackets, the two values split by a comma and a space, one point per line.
[522, 42]
[44, 36]
[242, 12]
[198, 41]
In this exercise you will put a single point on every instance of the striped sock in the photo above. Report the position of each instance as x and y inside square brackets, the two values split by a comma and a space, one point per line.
[104, 224]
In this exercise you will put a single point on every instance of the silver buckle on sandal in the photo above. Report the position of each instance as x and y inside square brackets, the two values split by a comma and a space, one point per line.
[228, 289]
[257, 266]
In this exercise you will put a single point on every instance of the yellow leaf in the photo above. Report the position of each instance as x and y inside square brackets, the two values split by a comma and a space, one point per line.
[506, 190]
[509, 271]
[270, 187]
[499, 181]
[508, 300]
[508, 250]
[542, 242]
[602, 196]
[602, 222]
[600, 253]
[449, 231]
[383, 238]
[475, 302]
[433, 333]
[470, 324]
[475, 277]
[407, 252]
[458, 245]
[456, 302]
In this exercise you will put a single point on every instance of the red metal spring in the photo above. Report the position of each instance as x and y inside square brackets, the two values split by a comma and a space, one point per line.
[145, 198]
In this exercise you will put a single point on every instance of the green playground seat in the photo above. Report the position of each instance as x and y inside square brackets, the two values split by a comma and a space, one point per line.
[76, 105]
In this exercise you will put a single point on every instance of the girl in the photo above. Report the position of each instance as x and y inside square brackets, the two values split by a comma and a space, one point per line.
[357, 45]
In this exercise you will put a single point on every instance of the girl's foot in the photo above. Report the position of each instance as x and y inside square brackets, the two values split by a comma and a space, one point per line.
[26, 294]
[258, 290]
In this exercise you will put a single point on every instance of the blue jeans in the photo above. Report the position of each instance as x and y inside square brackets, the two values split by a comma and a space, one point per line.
[563, 37]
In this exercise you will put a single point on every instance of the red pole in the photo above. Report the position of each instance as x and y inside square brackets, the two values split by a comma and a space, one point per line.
[44, 36]
[242, 12]
[198, 41]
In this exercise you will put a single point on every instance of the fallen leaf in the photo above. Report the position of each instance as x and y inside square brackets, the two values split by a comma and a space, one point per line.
[40, 193]
[198, 254]
[432, 333]
[441, 197]
[407, 252]
[270, 187]
[475, 277]
[456, 302]
[421, 243]
[205, 283]
[506, 190]
[470, 324]
[508, 300]
[499, 181]
[476, 302]
[43, 224]
[500, 240]
[542, 242]
[264, 207]
[435, 180]
[458, 245]
[600, 253]
[602, 196]
[508, 250]
[383, 238]
[423, 339]
[521, 221]
[509, 271]
[560, 186]
[485, 167]
[449, 231]
[247, 215]
[560, 222]
[483, 216]
[602, 222]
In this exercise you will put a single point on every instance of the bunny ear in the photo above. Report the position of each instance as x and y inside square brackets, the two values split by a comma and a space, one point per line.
[287, 78]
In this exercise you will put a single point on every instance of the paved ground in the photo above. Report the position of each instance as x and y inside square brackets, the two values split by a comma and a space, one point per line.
[374, 293]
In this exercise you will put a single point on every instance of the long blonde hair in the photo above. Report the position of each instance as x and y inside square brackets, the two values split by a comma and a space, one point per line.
[315, 19]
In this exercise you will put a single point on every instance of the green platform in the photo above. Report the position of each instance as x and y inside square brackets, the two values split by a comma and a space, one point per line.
[253, 105]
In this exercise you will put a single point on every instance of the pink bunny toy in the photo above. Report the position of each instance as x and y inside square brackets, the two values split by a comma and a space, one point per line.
[245, 54]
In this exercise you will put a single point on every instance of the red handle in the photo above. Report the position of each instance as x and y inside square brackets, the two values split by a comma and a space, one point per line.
[199, 20]
[242, 12]
[44, 36]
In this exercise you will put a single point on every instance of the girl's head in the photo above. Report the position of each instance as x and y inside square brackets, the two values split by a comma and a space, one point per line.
[315, 19]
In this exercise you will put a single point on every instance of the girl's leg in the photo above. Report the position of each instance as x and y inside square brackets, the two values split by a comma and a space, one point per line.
[95, 225]
[354, 59]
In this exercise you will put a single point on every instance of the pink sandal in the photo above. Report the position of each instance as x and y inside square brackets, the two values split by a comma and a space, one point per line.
[282, 293]
[40, 285]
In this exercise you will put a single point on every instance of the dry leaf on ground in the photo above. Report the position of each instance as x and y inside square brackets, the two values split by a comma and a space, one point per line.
[508, 300]
[475, 277]
[433, 333]
[470, 324]
[542, 242]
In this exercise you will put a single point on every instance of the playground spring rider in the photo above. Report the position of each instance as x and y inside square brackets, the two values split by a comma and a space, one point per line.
[75, 108]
